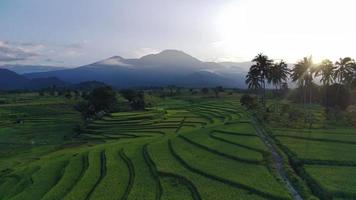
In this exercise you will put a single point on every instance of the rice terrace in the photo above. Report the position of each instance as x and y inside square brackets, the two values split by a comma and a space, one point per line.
[177, 100]
[185, 147]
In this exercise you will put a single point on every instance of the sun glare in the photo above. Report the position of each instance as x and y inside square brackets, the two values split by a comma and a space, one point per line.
[291, 30]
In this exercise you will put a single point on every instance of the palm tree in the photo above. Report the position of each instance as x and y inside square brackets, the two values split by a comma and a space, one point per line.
[262, 66]
[302, 74]
[278, 74]
[344, 70]
[253, 79]
[326, 71]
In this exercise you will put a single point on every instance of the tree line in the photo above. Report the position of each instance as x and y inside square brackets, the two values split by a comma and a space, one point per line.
[340, 75]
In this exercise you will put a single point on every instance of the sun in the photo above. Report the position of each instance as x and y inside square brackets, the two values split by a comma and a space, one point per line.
[289, 31]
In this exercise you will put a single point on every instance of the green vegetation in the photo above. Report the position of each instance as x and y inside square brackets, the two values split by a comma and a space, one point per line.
[180, 146]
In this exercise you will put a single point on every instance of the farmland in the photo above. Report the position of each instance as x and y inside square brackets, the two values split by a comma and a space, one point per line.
[180, 148]
[323, 157]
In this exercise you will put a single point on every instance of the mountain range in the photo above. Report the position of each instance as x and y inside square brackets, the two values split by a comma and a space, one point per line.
[23, 69]
[169, 67]
[10, 80]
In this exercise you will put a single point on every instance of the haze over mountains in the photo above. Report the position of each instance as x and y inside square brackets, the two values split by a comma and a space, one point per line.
[169, 67]
[23, 69]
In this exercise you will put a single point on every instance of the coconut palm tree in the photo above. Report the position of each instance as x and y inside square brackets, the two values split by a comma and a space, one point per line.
[302, 74]
[253, 79]
[278, 74]
[326, 71]
[262, 66]
[344, 70]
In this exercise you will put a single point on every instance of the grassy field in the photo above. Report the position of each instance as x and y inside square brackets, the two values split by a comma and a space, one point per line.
[181, 148]
[324, 157]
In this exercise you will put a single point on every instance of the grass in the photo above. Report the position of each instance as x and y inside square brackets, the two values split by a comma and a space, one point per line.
[323, 156]
[339, 180]
[247, 175]
[206, 186]
[90, 179]
[72, 174]
[187, 147]
[320, 150]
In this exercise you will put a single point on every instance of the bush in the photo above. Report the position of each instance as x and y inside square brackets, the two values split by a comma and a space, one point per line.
[135, 98]
[248, 101]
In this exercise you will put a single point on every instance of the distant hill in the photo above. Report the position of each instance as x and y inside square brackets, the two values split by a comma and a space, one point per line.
[10, 80]
[23, 69]
[169, 67]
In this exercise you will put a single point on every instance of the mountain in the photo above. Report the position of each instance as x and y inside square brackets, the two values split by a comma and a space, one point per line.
[169, 67]
[23, 69]
[10, 80]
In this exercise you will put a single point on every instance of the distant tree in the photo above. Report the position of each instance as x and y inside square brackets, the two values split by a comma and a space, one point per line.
[68, 95]
[103, 98]
[85, 95]
[253, 79]
[41, 93]
[76, 93]
[171, 88]
[344, 70]
[260, 70]
[302, 73]
[217, 90]
[278, 74]
[60, 92]
[135, 98]
[99, 100]
[205, 90]
[342, 100]
[248, 101]
[326, 71]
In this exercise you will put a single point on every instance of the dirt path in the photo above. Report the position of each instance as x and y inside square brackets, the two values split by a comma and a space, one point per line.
[277, 160]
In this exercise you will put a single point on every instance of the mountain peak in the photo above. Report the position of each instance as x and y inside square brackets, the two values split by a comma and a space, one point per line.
[168, 56]
[113, 61]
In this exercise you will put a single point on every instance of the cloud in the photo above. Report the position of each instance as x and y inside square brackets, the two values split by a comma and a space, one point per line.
[49, 60]
[18, 52]
[145, 51]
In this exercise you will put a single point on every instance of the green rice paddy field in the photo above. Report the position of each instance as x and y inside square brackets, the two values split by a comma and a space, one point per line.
[181, 149]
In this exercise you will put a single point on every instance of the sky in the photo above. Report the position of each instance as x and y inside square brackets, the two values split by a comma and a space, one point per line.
[78, 32]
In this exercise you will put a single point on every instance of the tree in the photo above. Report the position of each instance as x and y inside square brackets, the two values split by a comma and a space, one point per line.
[248, 101]
[171, 89]
[344, 70]
[260, 70]
[135, 98]
[68, 95]
[100, 99]
[326, 71]
[103, 98]
[217, 90]
[205, 90]
[278, 74]
[342, 100]
[253, 79]
[302, 73]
